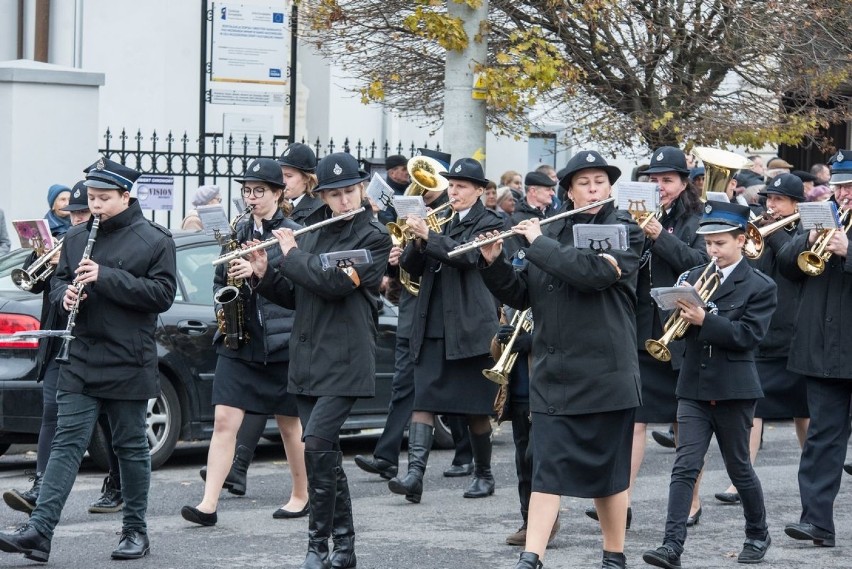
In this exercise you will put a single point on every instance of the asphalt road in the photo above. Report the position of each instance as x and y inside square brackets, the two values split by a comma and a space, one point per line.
[444, 531]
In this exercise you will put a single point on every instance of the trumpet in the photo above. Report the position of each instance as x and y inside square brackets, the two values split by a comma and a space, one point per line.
[470, 246]
[645, 217]
[400, 232]
[499, 374]
[240, 253]
[755, 236]
[675, 327]
[26, 279]
[812, 262]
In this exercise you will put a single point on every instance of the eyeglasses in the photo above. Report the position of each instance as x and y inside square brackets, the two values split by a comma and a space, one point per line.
[258, 191]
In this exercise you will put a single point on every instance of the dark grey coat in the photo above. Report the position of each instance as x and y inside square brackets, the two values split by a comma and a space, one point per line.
[333, 342]
[719, 360]
[114, 354]
[820, 345]
[583, 350]
[469, 310]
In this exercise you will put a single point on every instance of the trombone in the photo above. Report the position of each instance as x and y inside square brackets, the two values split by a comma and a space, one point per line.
[755, 236]
[812, 262]
[471, 245]
[26, 279]
[675, 327]
[240, 253]
[499, 374]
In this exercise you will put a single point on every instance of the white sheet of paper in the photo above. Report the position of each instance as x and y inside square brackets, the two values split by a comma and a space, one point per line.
[638, 196]
[819, 215]
[717, 197]
[381, 193]
[667, 297]
[409, 205]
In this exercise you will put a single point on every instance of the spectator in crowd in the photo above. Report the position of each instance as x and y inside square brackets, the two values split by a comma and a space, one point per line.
[506, 201]
[58, 220]
[204, 195]
[757, 165]
[5, 244]
[514, 181]
[489, 197]
[822, 173]
[777, 166]
[807, 179]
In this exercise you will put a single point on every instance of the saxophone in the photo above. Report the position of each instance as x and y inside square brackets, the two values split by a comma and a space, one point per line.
[230, 317]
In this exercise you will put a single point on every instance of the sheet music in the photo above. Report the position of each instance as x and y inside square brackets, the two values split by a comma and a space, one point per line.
[380, 192]
[34, 233]
[409, 205]
[600, 237]
[638, 196]
[717, 197]
[667, 297]
[819, 215]
[213, 218]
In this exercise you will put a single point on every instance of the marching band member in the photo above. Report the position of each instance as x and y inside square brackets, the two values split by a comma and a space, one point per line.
[819, 353]
[455, 318]
[585, 377]
[251, 376]
[129, 278]
[785, 393]
[333, 342]
[718, 383]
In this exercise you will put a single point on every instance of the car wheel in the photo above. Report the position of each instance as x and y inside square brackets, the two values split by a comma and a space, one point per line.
[162, 427]
[443, 437]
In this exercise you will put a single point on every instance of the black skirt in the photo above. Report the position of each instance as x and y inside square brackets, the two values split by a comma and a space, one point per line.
[452, 386]
[659, 381]
[785, 394]
[253, 387]
[585, 456]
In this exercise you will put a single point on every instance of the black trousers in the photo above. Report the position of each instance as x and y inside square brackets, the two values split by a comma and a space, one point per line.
[731, 422]
[323, 417]
[821, 465]
[401, 404]
[521, 433]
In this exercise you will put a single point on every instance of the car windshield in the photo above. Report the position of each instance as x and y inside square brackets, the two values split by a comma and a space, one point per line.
[8, 262]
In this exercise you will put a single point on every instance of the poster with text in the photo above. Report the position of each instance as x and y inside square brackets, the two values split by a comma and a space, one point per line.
[249, 43]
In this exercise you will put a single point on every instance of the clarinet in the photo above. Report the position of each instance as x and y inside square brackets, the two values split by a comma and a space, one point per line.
[63, 358]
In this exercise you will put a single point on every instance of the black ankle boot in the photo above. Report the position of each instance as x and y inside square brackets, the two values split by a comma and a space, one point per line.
[419, 444]
[322, 470]
[482, 484]
[343, 532]
[613, 560]
[111, 500]
[25, 501]
[235, 483]
[529, 560]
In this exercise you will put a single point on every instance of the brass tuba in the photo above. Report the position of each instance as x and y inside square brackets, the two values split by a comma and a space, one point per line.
[675, 327]
[812, 262]
[231, 313]
[719, 167]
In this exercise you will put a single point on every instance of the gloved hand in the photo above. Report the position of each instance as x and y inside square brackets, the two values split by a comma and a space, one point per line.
[523, 343]
[504, 333]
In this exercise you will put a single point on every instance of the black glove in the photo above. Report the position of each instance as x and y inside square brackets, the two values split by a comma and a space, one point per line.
[523, 343]
[504, 333]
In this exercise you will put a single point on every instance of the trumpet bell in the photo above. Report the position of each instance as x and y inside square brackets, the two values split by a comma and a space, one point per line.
[497, 376]
[22, 279]
[753, 247]
[423, 171]
[658, 350]
[810, 263]
[397, 233]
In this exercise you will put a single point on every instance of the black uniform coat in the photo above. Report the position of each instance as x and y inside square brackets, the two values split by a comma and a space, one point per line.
[584, 359]
[268, 324]
[524, 211]
[719, 360]
[51, 319]
[333, 342]
[820, 341]
[114, 354]
[306, 207]
[676, 250]
[776, 344]
[469, 310]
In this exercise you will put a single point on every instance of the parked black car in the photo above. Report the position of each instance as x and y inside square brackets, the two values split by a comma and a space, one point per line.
[186, 358]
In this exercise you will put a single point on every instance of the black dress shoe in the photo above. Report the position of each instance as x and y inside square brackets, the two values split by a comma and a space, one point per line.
[664, 556]
[459, 470]
[666, 440]
[282, 514]
[374, 465]
[727, 497]
[693, 519]
[754, 550]
[132, 544]
[480, 488]
[809, 531]
[27, 540]
[196, 516]
[848, 467]
[592, 512]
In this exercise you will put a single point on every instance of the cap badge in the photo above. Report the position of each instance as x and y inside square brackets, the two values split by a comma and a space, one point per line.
[522, 254]
[287, 152]
[256, 167]
[839, 157]
[458, 169]
[777, 182]
[77, 194]
[659, 156]
[708, 208]
[590, 158]
[100, 165]
[337, 169]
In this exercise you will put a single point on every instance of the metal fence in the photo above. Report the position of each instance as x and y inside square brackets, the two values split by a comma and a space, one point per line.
[219, 160]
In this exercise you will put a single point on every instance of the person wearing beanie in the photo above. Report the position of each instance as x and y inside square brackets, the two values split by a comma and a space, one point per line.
[58, 220]
[205, 195]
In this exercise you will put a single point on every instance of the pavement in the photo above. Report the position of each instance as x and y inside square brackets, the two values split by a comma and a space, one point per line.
[444, 531]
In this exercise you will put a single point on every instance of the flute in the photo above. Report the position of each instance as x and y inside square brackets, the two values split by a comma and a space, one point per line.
[470, 246]
[240, 253]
